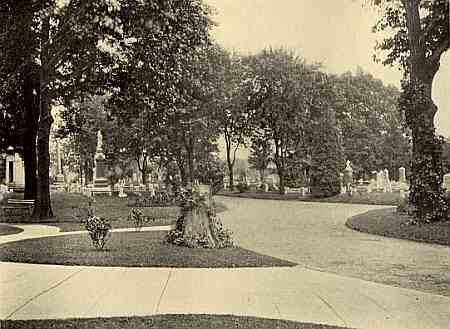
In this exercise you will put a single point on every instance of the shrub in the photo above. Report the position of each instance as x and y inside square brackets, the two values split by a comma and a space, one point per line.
[98, 229]
[138, 218]
[327, 156]
[404, 207]
[242, 187]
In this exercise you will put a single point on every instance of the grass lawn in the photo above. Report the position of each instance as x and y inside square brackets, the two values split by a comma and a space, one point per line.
[375, 198]
[388, 222]
[112, 207]
[8, 230]
[169, 321]
[130, 249]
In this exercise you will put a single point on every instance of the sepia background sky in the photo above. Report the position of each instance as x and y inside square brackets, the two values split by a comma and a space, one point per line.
[336, 33]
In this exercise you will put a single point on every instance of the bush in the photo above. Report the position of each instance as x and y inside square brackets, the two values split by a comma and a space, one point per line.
[242, 187]
[138, 218]
[327, 157]
[98, 229]
[404, 207]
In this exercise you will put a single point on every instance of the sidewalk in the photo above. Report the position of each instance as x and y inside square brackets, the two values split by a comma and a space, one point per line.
[31, 291]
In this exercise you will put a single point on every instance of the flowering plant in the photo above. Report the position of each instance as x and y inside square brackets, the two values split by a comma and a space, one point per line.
[98, 229]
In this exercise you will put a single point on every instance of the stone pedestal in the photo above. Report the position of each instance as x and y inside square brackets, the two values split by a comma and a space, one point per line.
[101, 184]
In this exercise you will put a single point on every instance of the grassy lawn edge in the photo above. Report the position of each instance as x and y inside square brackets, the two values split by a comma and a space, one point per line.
[131, 249]
[9, 230]
[389, 223]
[381, 199]
[181, 321]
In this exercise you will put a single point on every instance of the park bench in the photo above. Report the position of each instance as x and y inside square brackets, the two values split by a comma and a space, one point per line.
[18, 208]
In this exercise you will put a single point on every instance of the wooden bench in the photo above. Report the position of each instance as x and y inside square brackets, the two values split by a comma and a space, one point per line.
[18, 208]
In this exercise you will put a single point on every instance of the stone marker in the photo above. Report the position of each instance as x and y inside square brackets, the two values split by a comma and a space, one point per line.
[446, 182]
[387, 182]
[402, 175]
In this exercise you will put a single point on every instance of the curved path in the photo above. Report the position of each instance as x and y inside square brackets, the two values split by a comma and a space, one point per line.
[314, 235]
[30, 291]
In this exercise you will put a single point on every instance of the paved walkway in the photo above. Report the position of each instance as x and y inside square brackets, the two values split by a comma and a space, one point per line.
[31, 291]
[314, 235]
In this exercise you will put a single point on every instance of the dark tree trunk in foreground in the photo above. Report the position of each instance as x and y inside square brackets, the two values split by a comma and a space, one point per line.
[29, 140]
[43, 207]
[426, 193]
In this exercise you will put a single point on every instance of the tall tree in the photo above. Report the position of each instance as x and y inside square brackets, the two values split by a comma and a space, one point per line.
[282, 78]
[19, 90]
[420, 37]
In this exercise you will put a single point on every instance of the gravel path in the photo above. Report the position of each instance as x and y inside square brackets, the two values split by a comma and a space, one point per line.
[314, 235]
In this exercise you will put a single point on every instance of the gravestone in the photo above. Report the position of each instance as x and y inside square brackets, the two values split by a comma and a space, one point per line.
[122, 194]
[402, 175]
[59, 179]
[446, 182]
[380, 180]
[341, 183]
[387, 182]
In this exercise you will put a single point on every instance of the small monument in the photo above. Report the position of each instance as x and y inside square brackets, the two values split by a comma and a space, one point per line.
[122, 194]
[387, 182]
[59, 181]
[402, 175]
[101, 184]
[348, 177]
[341, 183]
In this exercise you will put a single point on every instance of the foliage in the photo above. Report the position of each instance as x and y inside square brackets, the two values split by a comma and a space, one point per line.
[373, 128]
[138, 218]
[420, 35]
[260, 153]
[242, 187]
[327, 156]
[426, 193]
[283, 89]
[98, 229]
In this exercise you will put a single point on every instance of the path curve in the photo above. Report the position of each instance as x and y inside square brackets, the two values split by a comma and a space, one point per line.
[314, 235]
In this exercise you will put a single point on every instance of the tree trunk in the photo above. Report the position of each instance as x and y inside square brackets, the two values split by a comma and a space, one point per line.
[197, 226]
[29, 159]
[43, 208]
[190, 161]
[426, 193]
[231, 176]
[230, 162]
[144, 176]
[182, 171]
[29, 140]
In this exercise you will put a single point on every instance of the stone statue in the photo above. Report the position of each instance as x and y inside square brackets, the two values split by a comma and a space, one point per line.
[99, 141]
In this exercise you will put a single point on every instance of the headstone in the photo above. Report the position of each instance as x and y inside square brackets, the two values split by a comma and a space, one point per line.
[402, 175]
[380, 180]
[59, 181]
[387, 182]
[446, 182]
[122, 194]
[341, 183]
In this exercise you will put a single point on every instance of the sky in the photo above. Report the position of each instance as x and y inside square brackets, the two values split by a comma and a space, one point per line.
[336, 33]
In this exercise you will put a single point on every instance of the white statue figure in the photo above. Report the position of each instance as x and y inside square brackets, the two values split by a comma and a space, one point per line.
[99, 141]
